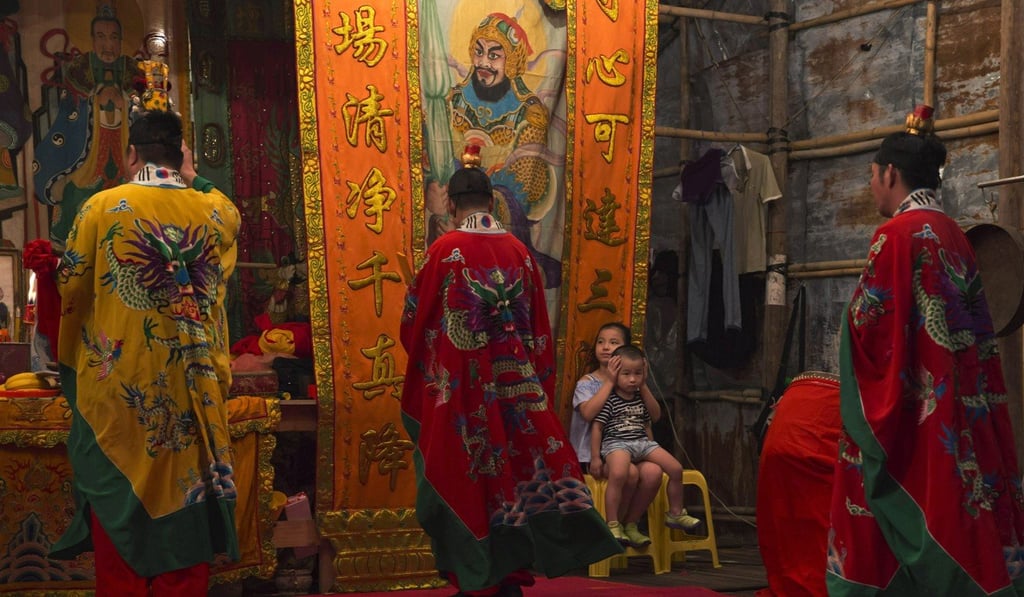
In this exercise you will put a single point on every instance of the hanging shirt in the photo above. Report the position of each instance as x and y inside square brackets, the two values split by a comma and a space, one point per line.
[927, 497]
[754, 188]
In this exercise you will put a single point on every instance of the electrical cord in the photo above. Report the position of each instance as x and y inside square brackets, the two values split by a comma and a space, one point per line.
[656, 389]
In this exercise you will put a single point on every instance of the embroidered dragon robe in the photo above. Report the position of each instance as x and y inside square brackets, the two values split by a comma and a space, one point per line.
[144, 364]
[499, 488]
[927, 497]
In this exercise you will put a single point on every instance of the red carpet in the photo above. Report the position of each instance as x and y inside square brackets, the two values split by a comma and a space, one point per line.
[567, 586]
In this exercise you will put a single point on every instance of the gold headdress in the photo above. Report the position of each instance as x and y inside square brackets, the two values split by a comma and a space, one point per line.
[919, 122]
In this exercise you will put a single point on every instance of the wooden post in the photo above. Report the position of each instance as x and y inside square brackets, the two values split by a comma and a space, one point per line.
[682, 301]
[775, 310]
[930, 32]
[1011, 163]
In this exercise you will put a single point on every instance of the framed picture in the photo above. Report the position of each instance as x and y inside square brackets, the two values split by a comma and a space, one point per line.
[12, 294]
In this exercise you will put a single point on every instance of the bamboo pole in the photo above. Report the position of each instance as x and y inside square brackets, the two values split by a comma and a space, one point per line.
[682, 285]
[725, 396]
[957, 126]
[1011, 163]
[826, 265]
[714, 15]
[880, 132]
[930, 32]
[724, 137]
[864, 146]
[1000, 181]
[738, 392]
[827, 273]
[849, 13]
[775, 308]
[666, 172]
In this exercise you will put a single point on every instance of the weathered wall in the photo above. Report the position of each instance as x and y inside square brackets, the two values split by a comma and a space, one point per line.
[849, 76]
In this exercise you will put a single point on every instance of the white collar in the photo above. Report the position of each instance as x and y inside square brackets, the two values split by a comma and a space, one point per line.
[152, 175]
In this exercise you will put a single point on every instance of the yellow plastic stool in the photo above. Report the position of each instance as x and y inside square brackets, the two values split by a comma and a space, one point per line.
[672, 543]
[655, 521]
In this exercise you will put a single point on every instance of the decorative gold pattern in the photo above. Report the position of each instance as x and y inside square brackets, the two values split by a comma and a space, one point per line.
[419, 230]
[266, 442]
[378, 550]
[249, 415]
[565, 366]
[214, 146]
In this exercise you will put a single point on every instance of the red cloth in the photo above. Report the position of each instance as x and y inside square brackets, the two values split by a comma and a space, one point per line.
[38, 257]
[115, 578]
[302, 336]
[794, 486]
[927, 497]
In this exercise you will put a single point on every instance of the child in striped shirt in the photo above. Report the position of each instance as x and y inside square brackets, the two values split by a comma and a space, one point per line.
[621, 434]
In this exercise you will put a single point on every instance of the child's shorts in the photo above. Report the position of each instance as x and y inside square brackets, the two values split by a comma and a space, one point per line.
[637, 448]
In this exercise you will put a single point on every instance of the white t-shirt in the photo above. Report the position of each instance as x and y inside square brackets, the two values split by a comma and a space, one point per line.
[579, 428]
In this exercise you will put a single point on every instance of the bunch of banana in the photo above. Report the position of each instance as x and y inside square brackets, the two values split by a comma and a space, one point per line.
[26, 381]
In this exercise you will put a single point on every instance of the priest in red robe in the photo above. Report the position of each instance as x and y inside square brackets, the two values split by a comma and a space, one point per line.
[927, 497]
[499, 489]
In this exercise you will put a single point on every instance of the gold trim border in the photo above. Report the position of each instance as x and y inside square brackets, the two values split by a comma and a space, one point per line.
[319, 305]
[419, 209]
[645, 176]
[266, 441]
[568, 267]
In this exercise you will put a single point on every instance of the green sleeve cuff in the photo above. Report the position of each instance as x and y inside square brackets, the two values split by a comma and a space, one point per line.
[202, 184]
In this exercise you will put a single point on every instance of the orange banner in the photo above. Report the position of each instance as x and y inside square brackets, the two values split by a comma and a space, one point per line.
[357, 116]
[611, 79]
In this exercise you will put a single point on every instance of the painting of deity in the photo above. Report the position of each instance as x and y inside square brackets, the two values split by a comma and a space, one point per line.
[94, 75]
[492, 75]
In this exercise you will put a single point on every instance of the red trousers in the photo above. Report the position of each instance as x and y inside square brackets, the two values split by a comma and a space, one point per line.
[115, 578]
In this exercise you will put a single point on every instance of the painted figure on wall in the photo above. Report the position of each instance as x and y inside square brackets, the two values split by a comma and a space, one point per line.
[493, 106]
[83, 152]
[5, 319]
[15, 120]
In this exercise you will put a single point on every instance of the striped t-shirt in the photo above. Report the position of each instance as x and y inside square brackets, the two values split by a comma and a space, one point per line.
[623, 419]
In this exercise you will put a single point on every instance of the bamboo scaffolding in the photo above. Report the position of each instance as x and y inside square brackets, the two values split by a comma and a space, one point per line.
[880, 132]
[668, 131]
[930, 33]
[826, 265]
[828, 273]
[776, 311]
[714, 15]
[666, 172]
[1001, 181]
[682, 304]
[747, 396]
[846, 143]
[864, 146]
[849, 13]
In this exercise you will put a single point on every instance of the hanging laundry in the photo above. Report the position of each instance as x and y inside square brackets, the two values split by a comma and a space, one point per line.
[755, 187]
